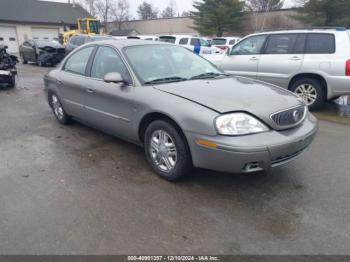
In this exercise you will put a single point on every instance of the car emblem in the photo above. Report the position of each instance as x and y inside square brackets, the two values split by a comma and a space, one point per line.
[296, 115]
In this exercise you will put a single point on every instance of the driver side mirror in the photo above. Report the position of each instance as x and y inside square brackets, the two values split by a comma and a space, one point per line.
[113, 77]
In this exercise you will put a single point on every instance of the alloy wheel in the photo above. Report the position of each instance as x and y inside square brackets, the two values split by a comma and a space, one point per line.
[163, 150]
[57, 107]
[307, 92]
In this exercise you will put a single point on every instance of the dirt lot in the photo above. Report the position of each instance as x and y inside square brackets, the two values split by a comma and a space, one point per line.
[74, 190]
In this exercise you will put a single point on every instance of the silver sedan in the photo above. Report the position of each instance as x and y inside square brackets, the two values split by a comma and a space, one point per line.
[183, 110]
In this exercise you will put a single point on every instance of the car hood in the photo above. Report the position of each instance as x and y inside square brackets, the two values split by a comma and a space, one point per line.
[235, 94]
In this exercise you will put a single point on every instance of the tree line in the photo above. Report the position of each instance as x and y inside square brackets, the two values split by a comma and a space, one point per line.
[216, 17]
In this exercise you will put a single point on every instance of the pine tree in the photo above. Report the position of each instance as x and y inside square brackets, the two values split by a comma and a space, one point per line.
[215, 17]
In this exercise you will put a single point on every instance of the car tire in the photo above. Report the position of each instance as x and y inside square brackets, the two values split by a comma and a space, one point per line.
[23, 60]
[58, 110]
[311, 91]
[13, 81]
[167, 151]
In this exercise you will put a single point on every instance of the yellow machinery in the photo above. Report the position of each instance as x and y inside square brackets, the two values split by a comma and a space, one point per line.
[86, 26]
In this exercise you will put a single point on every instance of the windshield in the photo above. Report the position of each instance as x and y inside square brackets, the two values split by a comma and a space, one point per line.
[94, 27]
[167, 62]
[100, 38]
[43, 43]
[219, 41]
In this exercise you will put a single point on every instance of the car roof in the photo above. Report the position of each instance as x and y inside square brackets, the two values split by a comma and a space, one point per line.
[120, 43]
[181, 36]
[293, 31]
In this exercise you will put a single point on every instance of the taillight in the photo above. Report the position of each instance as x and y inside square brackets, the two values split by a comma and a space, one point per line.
[222, 47]
[347, 68]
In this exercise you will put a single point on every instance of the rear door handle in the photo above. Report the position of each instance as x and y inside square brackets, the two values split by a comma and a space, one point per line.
[254, 58]
[295, 58]
[90, 91]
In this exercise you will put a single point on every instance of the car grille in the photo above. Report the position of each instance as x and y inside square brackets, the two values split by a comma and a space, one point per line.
[289, 117]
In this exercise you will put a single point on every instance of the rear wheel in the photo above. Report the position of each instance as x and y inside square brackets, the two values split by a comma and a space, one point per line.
[167, 151]
[311, 91]
[23, 60]
[58, 110]
[13, 81]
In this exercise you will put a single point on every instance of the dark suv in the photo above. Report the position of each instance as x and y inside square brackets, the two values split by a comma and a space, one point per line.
[79, 40]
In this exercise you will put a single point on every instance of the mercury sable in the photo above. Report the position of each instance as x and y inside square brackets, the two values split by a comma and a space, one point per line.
[182, 109]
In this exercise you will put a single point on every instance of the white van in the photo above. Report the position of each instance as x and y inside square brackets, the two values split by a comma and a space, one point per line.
[196, 44]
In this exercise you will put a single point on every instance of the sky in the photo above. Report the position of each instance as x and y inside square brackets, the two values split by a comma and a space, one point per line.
[181, 5]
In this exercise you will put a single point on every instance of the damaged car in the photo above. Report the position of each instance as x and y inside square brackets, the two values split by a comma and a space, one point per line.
[41, 52]
[8, 69]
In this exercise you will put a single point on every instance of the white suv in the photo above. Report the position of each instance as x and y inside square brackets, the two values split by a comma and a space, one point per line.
[313, 63]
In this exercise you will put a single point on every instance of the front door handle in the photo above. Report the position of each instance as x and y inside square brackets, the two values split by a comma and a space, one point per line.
[90, 91]
[254, 58]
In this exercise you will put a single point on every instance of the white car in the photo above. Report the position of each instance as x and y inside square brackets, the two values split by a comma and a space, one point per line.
[224, 43]
[312, 63]
[196, 44]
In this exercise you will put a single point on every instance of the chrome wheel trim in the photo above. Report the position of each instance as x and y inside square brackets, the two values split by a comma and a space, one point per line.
[163, 150]
[57, 107]
[307, 92]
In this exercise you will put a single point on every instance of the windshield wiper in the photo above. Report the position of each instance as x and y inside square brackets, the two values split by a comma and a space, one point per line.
[166, 80]
[208, 75]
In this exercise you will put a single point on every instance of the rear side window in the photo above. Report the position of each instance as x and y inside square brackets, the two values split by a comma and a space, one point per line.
[218, 41]
[281, 44]
[249, 46]
[183, 41]
[78, 61]
[167, 39]
[320, 44]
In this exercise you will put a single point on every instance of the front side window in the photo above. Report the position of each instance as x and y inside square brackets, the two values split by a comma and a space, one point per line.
[281, 44]
[166, 61]
[232, 42]
[249, 46]
[204, 42]
[320, 44]
[78, 61]
[107, 60]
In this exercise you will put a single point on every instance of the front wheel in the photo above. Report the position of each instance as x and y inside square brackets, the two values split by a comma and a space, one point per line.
[167, 151]
[58, 110]
[311, 91]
